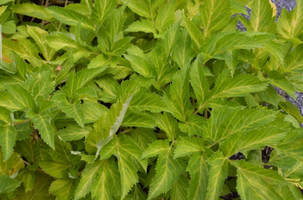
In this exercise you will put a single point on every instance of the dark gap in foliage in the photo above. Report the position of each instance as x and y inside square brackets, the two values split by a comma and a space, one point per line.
[266, 154]
[41, 56]
[157, 130]
[237, 156]
[108, 105]
[230, 196]
[81, 101]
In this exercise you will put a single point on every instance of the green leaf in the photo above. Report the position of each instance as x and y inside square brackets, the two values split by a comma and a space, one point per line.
[180, 189]
[199, 174]
[161, 53]
[194, 125]
[120, 46]
[28, 179]
[40, 85]
[194, 32]
[92, 111]
[293, 61]
[17, 98]
[63, 188]
[147, 101]
[215, 14]
[168, 171]
[183, 52]
[279, 80]
[199, 81]
[9, 27]
[143, 8]
[291, 109]
[127, 153]
[29, 149]
[143, 137]
[39, 36]
[43, 124]
[8, 184]
[178, 99]
[12, 165]
[7, 140]
[141, 65]
[74, 132]
[137, 193]
[270, 96]
[290, 24]
[257, 182]
[99, 61]
[189, 145]
[32, 10]
[227, 121]
[261, 18]
[74, 111]
[145, 26]
[234, 87]
[71, 17]
[109, 87]
[40, 190]
[217, 174]
[165, 16]
[156, 148]
[255, 139]
[168, 124]
[102, 10]
[281, 160]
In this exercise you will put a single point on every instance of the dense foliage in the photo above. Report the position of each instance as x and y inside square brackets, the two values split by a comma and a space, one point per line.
[149, 99]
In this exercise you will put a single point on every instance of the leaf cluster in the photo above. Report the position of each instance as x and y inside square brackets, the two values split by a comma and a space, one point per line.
[142, 99]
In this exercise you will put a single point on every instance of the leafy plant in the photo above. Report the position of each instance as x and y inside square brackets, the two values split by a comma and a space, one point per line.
[150, 100]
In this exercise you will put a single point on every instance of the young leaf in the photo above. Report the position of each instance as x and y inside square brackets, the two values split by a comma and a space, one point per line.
[194, 32]
[102, 10]
[7, 140]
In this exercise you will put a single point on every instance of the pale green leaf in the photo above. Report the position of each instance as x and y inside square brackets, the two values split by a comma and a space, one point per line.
[165, 16]
[226, 121]
[178, 99]
[261, 18]
[255, 139]
[199, 81]
[168, 171]
[142, 8]
[215, 14]
[9, 27]
[92, 111]
[194, 32]
[32, 10]
[156, 148]
[270, 96]
[8, 184]
[293, 60]
[7, 140]
[168, 124]
[256, 181]
[16, 97]
[217, 174]
[141, 26]
[39, 35]
[99, 61]
[57, 162]
[291, 109]
[194, 125]
[282, 160]
[180, 189]
[120, 46]
[141, 65]
[199, 174]
[109, 87]
[147, 101]
[189, 145]
[143, 136]
[183, 52]
[42, 122]
[74, 132]
[102, 10]
[63, 188]
[73, 110]
[290, 24]
[279, 80]
[71, 17]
